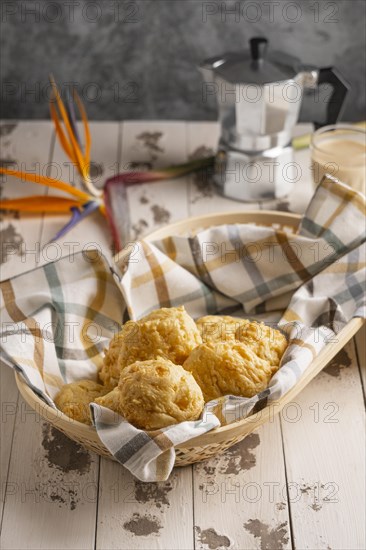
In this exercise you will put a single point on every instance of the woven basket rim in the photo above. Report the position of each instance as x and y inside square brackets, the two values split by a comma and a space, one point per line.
[222, 433]
[246, 424]
[283, 218]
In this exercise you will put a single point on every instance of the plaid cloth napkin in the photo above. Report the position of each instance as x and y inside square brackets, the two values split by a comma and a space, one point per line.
[57, 319]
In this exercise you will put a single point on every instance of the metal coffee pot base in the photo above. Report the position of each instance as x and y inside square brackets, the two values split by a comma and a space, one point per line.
[250, 177]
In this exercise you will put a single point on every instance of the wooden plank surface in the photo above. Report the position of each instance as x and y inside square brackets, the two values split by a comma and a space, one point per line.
[360, 341]
[153, 515]
[236, 503]
[55, 482]
[133, 514]
[23, 145]
[51, 491]
[147, 145]
[240, 497]
[268, 492]
[324, 444]
[9, 398]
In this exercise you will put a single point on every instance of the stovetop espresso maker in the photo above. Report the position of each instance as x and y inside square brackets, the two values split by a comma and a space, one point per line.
[259, 95]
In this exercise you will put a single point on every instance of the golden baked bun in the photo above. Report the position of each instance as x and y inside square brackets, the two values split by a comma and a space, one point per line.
[73, 399]
[154, 394]
[168, 332]
[111, 400]
[219, 328]
[228, 368]
[266, 342]
[110, 371]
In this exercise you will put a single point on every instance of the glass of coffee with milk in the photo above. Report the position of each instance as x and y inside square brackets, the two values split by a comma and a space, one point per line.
[340, 151]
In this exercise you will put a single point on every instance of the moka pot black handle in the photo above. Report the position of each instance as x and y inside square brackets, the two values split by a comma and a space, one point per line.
[340, 88]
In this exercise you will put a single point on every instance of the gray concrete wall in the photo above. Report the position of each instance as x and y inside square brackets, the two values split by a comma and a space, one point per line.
[137, 59]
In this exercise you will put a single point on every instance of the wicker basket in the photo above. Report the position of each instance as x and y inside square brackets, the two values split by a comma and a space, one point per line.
[218, 440]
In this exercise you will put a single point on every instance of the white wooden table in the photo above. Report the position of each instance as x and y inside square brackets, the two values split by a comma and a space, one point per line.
[298, 482]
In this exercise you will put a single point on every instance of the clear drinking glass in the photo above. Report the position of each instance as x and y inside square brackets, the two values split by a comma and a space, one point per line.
[340, 151]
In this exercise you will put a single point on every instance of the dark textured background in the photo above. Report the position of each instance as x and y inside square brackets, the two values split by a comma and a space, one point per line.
[137, 60]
